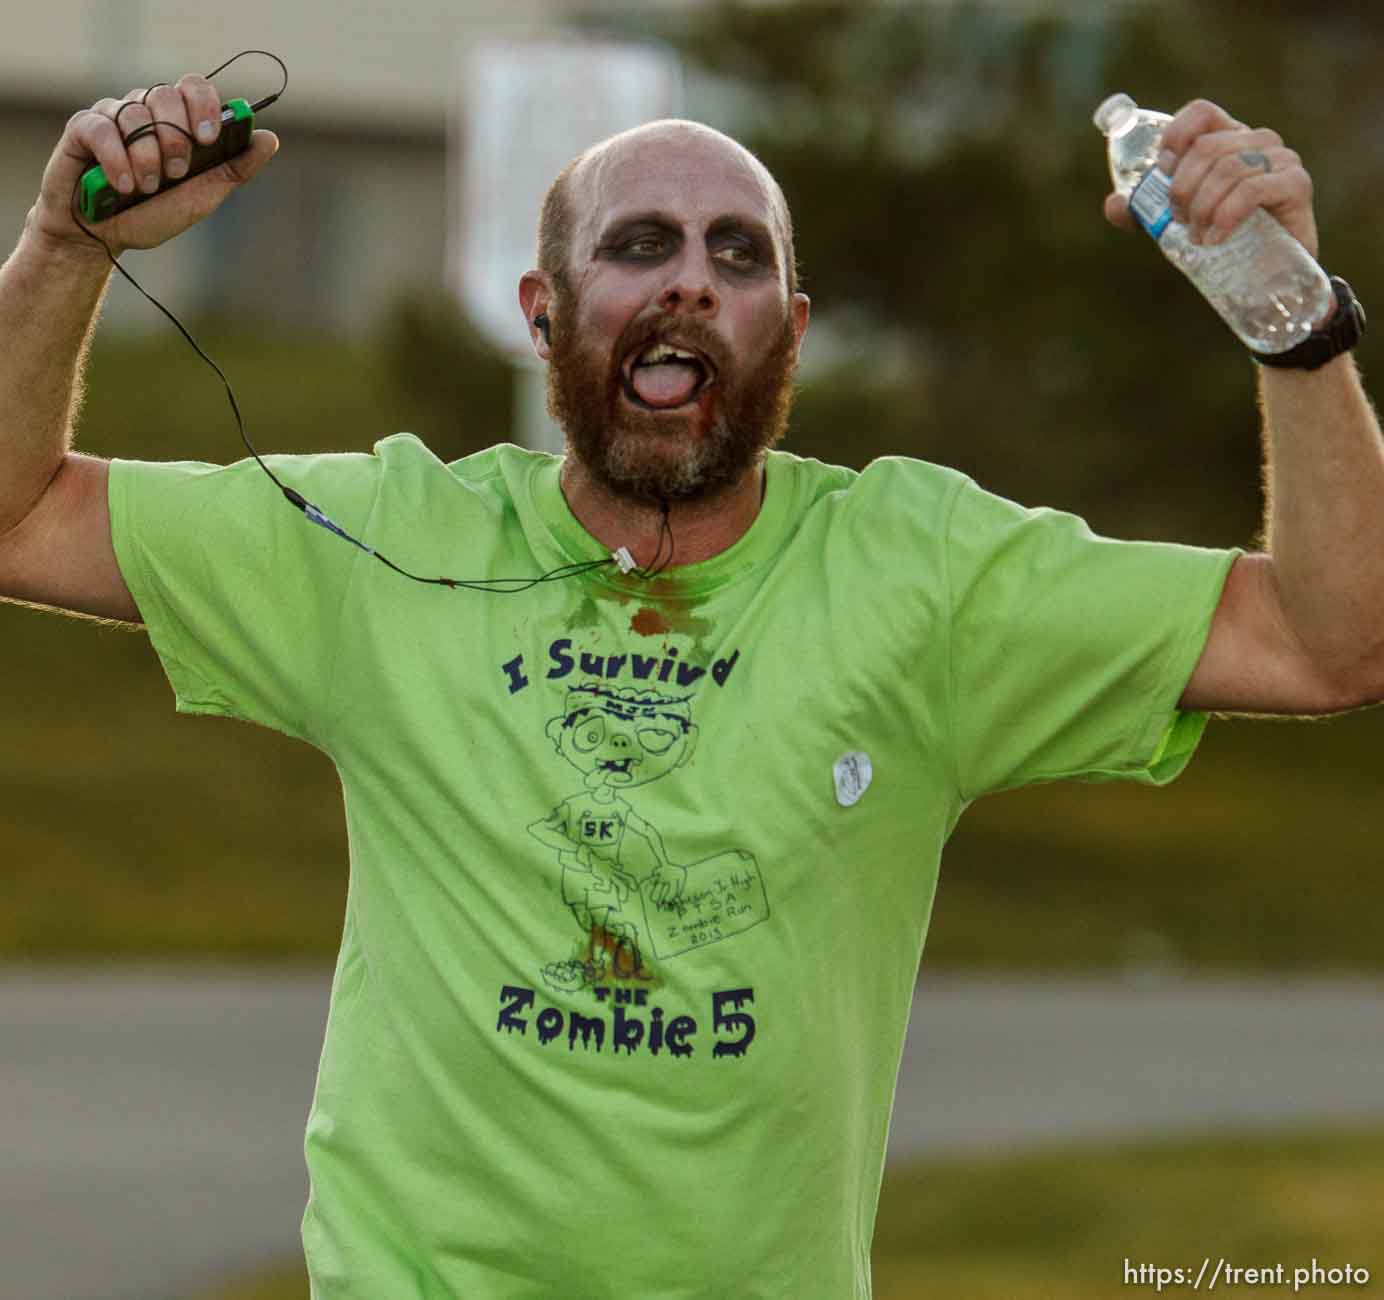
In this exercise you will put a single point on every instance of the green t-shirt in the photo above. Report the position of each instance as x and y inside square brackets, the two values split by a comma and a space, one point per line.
[640, 872]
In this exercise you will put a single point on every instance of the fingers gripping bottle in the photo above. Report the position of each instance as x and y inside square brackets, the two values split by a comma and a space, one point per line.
[1266, 286]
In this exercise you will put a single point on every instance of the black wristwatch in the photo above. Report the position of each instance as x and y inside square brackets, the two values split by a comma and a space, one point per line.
[1341, 333]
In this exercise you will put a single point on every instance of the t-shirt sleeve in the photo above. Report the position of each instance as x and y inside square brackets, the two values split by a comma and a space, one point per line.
[1069, 651]
[241, 594]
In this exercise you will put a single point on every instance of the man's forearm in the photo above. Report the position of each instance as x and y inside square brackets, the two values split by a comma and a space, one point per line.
[49, 300]
[1324, 489]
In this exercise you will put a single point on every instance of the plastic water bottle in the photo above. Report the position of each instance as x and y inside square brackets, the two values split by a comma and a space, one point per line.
[1266, 286]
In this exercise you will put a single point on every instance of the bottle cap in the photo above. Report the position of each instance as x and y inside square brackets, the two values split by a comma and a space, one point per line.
[1113, 114]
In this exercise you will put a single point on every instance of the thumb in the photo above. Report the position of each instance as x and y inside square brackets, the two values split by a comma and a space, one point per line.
[263, 146]
[167, 215]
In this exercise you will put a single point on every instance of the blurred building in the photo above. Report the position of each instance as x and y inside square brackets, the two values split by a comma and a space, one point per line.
[353, 210]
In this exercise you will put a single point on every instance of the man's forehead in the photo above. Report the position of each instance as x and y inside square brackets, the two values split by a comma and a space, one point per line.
[669, 166]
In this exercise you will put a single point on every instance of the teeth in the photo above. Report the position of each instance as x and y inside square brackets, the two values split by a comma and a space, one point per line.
[651, 356]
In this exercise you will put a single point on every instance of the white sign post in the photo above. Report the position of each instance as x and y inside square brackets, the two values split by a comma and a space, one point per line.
[524, 107]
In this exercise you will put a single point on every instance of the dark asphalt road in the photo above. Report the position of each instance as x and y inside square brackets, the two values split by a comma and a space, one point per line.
[151, 1122]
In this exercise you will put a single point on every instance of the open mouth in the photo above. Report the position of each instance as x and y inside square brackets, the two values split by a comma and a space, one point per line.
[665, 376]
[616, 765]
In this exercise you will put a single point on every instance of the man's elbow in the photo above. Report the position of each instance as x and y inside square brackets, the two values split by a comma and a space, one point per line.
[1358, 687]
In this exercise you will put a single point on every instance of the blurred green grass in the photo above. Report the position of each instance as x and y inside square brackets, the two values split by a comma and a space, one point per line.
[1060, 1223]
[130, 831]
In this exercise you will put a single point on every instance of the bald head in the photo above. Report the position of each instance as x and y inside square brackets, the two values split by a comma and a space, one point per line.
[593, 182]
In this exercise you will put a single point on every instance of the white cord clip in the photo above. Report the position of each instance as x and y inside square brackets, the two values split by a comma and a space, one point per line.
[624, 559]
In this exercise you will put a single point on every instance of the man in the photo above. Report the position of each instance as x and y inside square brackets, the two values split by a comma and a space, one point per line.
[735, 773]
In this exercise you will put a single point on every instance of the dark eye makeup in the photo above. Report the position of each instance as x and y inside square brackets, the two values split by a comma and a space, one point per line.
[736, 247]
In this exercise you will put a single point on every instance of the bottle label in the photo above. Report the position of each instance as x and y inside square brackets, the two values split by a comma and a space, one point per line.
[1150, 202]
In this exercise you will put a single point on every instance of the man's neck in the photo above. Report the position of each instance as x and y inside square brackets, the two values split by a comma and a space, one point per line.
[700, 529]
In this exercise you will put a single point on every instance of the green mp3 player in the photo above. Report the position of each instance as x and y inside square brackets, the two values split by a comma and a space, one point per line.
[98, 199]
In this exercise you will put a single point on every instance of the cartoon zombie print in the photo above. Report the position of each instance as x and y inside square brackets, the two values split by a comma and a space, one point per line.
[626, 894]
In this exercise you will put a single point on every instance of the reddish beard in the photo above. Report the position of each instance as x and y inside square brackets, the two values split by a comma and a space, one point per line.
[647, 457]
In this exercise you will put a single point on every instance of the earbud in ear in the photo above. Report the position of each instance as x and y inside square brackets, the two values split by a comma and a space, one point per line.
[541, 324]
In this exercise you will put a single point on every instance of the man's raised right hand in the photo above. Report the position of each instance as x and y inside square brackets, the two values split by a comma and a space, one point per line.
[92, 135]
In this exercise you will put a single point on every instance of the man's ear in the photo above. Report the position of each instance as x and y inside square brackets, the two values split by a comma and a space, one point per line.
[801, 309]
[535, 295]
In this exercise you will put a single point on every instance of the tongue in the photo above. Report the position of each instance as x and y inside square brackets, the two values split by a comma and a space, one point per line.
[670, 383]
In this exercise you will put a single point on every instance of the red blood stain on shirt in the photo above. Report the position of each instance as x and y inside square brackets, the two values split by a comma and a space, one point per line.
[648, 622]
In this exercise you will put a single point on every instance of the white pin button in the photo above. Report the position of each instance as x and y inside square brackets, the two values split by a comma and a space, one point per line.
[853, 774]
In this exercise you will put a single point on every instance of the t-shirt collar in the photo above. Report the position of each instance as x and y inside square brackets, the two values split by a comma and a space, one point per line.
[762, 539]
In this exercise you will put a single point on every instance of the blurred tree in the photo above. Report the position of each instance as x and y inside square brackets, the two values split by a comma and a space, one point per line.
[946, 184]
[456, 391]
